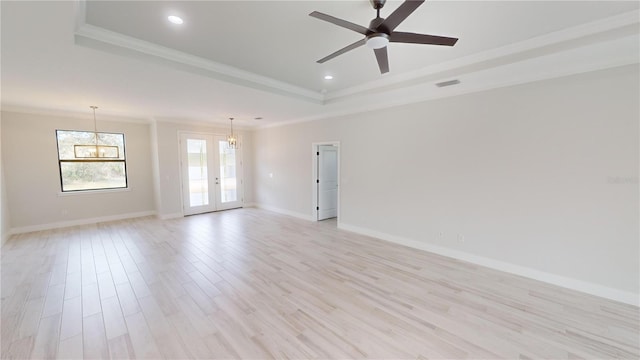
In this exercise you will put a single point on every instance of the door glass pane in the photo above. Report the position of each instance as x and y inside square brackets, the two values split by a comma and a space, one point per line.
[197, 163]
[227, 173]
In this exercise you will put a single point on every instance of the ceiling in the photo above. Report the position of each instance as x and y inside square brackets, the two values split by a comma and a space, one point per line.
[252, 59]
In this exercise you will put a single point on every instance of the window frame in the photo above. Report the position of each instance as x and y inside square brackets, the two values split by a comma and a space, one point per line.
[97, 160]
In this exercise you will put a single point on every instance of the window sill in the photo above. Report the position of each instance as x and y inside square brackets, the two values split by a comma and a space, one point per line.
[102, 191]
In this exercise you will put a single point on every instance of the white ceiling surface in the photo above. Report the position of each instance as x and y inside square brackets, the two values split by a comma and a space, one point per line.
[279, 39]
[252, 58]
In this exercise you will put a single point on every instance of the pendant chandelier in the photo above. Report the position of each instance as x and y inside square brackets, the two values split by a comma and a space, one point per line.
[95, 151]
[232, 139]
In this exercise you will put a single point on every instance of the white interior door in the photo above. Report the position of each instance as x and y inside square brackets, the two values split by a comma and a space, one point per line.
[211, 174]
[327, 182]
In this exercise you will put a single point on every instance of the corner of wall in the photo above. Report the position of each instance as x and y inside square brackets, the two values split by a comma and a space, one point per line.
[294, 214]
[4, 208]
[169, 216]
[155, 165]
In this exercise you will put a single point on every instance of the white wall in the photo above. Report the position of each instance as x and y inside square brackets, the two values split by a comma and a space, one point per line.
[169, 196]
[541, 176]
[33, 181]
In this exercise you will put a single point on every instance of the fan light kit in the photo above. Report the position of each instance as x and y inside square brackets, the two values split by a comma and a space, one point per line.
[380, 32]
[377, 41]
[175, 20]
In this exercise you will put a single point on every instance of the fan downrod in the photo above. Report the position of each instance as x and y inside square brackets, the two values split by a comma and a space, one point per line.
[377, 4]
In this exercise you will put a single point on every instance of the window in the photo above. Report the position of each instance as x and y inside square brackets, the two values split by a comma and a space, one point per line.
[87, 165]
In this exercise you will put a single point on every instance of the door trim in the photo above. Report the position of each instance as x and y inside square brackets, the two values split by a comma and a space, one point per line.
[314, 177]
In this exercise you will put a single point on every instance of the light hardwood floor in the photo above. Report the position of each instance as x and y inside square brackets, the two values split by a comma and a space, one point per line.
[252, 284]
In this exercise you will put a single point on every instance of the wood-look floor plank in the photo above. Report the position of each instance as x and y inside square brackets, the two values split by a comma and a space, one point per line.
[46, 341]
[163, 332]
[114, 323]
[54, 300]
[73, 285]
[253, 284]
[71, 318]
[94, 338]
[142, 341]
[121, 347]
[106, 286]
[196, 316]
[30, 319]
[19, 349]
[127, 298]
[220, 348]
[190, 338]
[71, 348]
[90, 300]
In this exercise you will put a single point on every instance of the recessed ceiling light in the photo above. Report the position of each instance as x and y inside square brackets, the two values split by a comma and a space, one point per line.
[257, 118]
[175, 19]
[328, 77]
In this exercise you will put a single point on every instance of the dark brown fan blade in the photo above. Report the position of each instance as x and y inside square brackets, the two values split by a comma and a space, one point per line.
[343, 23]
[383, 59]
[405, 37]
[343, 50]
[401, 13]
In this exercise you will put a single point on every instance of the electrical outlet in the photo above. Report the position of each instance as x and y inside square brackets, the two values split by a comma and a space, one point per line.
[461, 238]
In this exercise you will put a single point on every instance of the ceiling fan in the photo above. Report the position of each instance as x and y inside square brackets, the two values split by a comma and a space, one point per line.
[381, 31]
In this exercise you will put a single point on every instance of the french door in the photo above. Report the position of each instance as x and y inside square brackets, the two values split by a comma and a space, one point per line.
[211, 174]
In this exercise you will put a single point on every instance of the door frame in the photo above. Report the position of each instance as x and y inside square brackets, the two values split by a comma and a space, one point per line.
[314, 177]
[180, 170]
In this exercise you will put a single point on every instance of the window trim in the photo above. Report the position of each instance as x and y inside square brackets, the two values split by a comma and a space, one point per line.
[99, 191]
[106, 160]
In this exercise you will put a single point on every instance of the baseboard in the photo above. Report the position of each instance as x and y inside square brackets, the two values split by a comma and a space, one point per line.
[170, 216]
[570, 283]
[63, 224]
[284, 212]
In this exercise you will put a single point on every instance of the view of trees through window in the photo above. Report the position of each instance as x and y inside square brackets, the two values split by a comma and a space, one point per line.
[90, 173]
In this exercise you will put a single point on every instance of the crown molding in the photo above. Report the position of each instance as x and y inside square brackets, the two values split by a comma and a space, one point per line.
[214, 124]
[594, 57]
[554, 38]
[14, 108]
[98, 35]
[556, 42]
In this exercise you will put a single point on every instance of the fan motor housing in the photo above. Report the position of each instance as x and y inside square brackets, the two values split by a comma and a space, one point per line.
[373, 25]
[378, 4]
